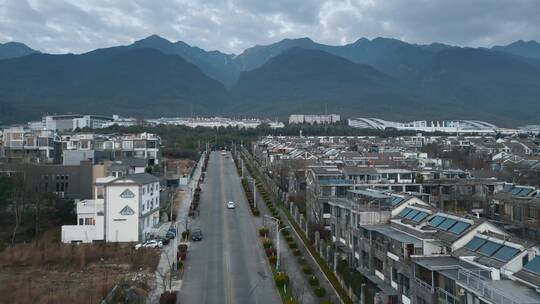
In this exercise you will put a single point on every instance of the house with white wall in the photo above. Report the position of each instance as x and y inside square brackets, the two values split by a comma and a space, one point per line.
[125, 210]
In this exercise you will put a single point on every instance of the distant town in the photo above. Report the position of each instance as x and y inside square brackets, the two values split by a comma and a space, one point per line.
[448, 212]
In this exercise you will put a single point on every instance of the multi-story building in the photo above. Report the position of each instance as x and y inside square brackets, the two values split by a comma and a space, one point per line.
[518, 209]
[125, 209]
[100, 147]
[32, 146]
[70, 122]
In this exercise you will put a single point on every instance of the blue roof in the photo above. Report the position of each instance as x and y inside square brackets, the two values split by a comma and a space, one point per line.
[533, 265]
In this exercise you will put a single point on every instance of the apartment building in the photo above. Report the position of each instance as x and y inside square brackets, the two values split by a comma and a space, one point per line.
[101, 147]
[21, 144]
[406, 251]
[517, 207]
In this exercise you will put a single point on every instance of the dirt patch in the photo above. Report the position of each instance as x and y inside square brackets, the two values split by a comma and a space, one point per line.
[64, 273]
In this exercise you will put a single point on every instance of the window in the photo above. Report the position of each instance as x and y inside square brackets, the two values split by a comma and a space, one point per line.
[89, 221]
[394, 275]
[405, 284]
[81, 221]
[378, 264]
[532, 212]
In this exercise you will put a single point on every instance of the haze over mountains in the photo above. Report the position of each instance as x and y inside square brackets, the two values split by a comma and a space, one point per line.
[382, 77]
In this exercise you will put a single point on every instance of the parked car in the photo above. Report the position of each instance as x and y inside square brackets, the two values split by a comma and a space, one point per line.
[150, 244]
[170, 235]
[196, 235]
[231, 205]
[164, 241]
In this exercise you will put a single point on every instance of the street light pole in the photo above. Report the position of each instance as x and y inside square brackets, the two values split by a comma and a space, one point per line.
[278, 251]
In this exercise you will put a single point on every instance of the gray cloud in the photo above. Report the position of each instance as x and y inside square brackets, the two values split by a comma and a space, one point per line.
[59, 26]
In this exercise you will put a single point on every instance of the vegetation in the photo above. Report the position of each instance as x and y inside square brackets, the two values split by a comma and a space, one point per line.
[41, 272]
[320, 292]
[26, 214]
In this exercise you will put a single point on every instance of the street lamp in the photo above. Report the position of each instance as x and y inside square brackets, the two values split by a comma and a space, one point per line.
[278, 251]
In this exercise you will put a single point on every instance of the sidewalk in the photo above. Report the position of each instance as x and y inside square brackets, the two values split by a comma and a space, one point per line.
[298, 281]
[168, 252]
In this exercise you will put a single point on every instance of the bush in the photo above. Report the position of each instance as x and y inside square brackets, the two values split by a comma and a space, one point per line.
[281, 279]
[167, 297]
[292, 245]
[288, 238]
[290, 301]
[306, 269]
[185, 234]
[296, 252]
[313, 281]
[320, 292]
[263, 232]
[267, 243]
[256, 212]
[285, 232]
[179, 265]
[272, 259]
[270, 251]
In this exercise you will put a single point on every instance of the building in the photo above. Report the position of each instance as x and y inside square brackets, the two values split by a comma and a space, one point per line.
[69, 181]
[125, 209]
[22, 144]
[70, 122]
[446, 126]
[313, 119]
[103, 147]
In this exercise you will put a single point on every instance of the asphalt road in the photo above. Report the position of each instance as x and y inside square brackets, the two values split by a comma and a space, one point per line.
[228, 265]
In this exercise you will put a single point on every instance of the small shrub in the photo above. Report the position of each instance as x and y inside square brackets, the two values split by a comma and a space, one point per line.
[285, 232]
[267, 243]
[256, 212]
[185, 234]
[306, 269]
[292, 245]
[290, 301]
[320, 292]
[179, 265]
[272, 259]
[313, 281]
[263, 232]
[270, 251]
[281, 279]
[296, 252]
[288, 238]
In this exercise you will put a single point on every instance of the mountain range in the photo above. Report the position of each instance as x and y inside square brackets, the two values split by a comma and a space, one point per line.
[382, 77]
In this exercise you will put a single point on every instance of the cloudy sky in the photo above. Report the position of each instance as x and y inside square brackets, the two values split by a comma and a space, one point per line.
[59, 26]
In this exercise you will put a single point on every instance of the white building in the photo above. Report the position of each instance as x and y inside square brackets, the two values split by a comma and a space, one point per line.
[90, 223]
[313, 119]
[125, 210]
[446, 126]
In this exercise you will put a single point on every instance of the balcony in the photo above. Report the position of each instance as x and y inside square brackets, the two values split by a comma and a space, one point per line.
[475, 282]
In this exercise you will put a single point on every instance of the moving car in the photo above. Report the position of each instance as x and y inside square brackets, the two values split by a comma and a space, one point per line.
[231, 205]
[150, 244]
[196, 235]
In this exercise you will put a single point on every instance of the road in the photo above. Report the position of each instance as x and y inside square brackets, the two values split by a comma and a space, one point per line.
[228, 265]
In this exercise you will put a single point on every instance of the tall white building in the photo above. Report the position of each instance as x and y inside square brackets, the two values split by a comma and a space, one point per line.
[125, 210]
[131, 207]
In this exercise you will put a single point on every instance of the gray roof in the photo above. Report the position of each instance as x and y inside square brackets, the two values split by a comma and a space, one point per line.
[395, 234]
[139, 178]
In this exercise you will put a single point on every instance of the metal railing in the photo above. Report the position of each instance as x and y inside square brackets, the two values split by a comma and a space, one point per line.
[444, 297]
[475, 282]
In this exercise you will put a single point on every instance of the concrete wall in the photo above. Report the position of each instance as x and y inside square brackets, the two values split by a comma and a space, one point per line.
[121, 228]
